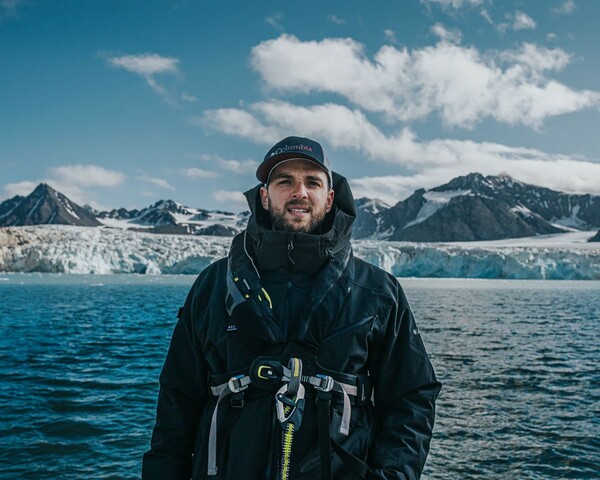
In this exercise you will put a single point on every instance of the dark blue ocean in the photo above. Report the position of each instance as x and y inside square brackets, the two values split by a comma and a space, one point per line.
[520, 363]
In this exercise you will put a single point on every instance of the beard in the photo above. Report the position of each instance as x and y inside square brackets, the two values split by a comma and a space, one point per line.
[280, 222]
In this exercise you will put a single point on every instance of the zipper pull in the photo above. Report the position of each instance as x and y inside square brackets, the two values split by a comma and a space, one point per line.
[290, 247]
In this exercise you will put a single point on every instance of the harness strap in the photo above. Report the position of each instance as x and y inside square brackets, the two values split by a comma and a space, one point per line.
[234, 385]
[323, 405]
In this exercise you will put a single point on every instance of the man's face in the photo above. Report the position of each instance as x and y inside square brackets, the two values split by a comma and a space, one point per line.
[297, 197]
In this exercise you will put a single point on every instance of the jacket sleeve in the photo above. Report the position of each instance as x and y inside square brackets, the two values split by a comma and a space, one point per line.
[182, 394]
[405, 389]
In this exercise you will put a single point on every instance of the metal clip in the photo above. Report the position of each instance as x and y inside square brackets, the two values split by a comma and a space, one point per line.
[326, 383]
[235, 385]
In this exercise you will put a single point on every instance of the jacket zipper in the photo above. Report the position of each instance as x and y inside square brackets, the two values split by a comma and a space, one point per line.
[288, 291]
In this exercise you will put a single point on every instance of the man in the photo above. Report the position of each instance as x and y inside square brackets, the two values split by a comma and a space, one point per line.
[292, 359]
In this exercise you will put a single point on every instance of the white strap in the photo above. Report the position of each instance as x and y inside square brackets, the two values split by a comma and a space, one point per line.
[212, 437]
[347, 412]
[221, 391]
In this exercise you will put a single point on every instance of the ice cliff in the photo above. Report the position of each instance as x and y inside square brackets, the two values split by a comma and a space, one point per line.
[56, 248]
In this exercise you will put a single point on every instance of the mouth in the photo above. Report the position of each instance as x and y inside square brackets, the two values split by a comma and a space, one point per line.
[298, 210]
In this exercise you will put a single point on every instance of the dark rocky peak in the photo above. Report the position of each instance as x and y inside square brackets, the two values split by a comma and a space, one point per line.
[119, 214]
[172, 207]
[42, 189]
[47, 206]
[477, 183]
[90, 209]
[473, 181]
[7, 206]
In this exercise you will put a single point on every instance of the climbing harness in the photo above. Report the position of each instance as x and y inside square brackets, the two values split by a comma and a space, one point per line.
[268, 374]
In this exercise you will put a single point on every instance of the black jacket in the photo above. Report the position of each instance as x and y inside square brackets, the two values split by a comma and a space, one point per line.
[355, 321]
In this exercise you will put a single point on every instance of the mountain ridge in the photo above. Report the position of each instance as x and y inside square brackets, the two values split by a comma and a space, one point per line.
[467, 208]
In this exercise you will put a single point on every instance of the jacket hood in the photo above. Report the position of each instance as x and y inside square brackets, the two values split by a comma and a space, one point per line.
[335, 231]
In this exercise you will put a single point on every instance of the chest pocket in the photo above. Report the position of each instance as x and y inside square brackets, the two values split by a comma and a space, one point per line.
[346, 349]
[361, 327]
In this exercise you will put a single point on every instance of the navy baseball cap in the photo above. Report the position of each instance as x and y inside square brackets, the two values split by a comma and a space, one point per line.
[291, 148]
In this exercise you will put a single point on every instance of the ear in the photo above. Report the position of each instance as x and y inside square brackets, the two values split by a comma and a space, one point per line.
[264, 198]
[329, 203]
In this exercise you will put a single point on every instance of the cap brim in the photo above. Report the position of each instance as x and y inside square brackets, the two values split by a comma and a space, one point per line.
[265, 168]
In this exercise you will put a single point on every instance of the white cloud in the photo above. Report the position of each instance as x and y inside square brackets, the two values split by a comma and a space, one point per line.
[390, 35]
[188, 98]
[148, 66]
[565, 8]
[460, 83]
[23, 188]
[231, 197]
[430, 162]
[538, 59]
[486, 15]
[512, 21]
[556, 174]
[159, 182]
[451, 36]
[275, 21]
[236, 166]
[551, 36]
[194, 172]
[87, 175]
[234, 121]
[239, 166]
[456, 4]
[522, 21]
[390, 189]
[335, 19]
[74, 181]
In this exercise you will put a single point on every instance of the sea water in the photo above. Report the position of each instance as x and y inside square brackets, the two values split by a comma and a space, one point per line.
[80, 357]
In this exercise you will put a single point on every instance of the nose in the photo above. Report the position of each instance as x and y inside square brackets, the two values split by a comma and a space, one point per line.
[299, 190]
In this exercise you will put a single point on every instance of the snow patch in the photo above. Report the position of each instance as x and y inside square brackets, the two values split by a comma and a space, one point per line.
[37, 204]
[523, 211]
[69, 208]
[435, 201]
[572, 221]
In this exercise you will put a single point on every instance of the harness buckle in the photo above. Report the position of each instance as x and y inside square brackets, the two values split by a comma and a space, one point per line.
[266, 372]
[326, 384]
[236, 385]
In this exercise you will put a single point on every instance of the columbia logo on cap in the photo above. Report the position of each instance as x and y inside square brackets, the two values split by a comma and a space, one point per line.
[294, 147]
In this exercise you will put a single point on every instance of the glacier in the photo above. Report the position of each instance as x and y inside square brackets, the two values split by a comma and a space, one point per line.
[105, 250]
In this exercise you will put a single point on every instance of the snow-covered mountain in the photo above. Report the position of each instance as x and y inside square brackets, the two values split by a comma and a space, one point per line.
[64, 249]
[167, 216]
[368, 216]
[475, 207]
[468, 208]
[44, 206]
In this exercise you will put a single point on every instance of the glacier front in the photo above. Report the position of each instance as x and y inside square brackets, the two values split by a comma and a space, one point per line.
[86, 250]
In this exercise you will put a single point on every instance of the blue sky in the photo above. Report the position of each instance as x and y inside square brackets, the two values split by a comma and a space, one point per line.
[122, 103]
